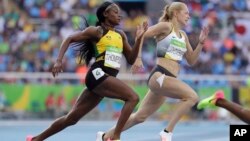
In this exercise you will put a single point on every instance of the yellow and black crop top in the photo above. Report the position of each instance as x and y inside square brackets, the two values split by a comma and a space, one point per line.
[109, 48]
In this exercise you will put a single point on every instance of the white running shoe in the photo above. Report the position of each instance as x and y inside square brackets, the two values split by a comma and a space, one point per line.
[166, 136]
[99, 136]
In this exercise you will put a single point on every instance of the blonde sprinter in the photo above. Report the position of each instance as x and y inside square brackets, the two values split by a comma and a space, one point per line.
[172, 46]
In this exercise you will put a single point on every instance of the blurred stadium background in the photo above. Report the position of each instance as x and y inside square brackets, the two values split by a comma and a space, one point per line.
[31, 32]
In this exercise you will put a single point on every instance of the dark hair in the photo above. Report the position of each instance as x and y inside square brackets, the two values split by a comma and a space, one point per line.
[100, 11]
[85, 48]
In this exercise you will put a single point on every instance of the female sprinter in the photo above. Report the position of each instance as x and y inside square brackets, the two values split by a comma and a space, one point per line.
[106, 44]
[172, 46]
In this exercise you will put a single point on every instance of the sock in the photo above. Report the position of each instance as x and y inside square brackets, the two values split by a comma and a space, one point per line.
[165, 130]
[103, 137]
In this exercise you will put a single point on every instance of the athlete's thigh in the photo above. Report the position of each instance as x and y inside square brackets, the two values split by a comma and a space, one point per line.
[170, 87]
[150, 103]
[114, 88]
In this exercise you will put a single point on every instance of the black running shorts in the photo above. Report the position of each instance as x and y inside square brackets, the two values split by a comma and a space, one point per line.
[97, 74]
[160, 69]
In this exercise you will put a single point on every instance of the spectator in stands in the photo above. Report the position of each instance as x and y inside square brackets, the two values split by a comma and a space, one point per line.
[3, 101]
[21, 35]
[50, 105]
[61, 105]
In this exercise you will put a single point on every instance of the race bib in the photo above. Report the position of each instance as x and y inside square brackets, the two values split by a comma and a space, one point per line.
[176, 50]
[98, 73]
[113, 57]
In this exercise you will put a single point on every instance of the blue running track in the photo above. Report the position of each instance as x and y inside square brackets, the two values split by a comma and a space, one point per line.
[147, 131]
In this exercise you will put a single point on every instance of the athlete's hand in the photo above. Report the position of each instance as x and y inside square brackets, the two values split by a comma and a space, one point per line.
[137, 66]
[57, 68]
[203, 34]
[141, 29]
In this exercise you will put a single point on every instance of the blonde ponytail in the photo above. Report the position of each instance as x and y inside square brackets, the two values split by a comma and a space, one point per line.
[169, 10]
[165, 16]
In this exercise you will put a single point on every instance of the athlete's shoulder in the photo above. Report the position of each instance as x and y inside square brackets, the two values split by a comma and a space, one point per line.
[90, 29]
[162, 27]
[183, 33]
[95, 31]
[121, 32]
[164, 24]
[93, 28]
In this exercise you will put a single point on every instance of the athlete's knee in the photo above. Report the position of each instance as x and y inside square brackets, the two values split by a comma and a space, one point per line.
[71, 120]
[134, 98]
[194, 99]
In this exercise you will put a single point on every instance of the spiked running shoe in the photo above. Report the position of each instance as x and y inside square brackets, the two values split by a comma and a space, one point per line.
[165, 136]
[99, 136]
[210, 101]
[29, 138]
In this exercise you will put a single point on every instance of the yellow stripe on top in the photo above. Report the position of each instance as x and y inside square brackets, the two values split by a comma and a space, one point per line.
[111, 39]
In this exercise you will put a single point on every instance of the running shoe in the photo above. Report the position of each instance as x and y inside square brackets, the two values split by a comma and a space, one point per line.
[210, 101]
[99, 136]
[29, 138]
[166, 136]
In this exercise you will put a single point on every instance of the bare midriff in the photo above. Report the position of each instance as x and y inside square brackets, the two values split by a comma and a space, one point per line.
[171, 65]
